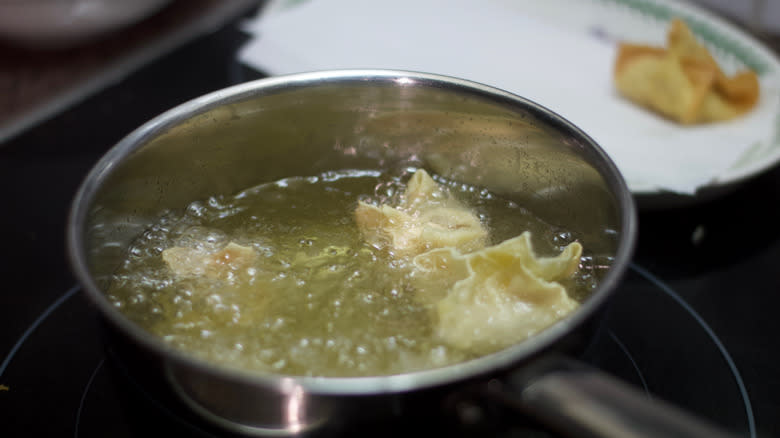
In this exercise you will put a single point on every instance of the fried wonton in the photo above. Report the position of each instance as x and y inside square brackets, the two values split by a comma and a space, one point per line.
[426, 218]
[481, 298]
[683, 81]
[499, 295]
[194, 262]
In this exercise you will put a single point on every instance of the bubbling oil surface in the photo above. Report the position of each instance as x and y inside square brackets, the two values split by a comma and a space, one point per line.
[317, 300]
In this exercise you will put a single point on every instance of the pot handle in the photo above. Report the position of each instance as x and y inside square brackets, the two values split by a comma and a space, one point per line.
[580, 401]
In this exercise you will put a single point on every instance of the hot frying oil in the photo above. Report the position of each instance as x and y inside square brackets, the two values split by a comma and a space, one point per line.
[315, 299]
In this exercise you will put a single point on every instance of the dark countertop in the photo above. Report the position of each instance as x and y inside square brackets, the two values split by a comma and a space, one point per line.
[722, 256]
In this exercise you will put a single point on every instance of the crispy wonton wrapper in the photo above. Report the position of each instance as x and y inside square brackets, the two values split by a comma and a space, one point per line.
[683, 82]
[426, 218]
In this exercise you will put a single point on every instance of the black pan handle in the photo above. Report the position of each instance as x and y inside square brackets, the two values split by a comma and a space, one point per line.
[580, 401]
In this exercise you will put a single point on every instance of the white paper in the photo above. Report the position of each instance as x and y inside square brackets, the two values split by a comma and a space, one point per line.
[568, 71]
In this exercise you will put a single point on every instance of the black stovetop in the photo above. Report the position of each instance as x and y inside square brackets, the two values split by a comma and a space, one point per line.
[694, 321]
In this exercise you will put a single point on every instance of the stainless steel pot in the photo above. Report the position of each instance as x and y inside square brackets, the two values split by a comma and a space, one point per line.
[308, 123]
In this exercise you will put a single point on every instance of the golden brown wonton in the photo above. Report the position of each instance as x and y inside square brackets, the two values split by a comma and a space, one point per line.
[683, 81]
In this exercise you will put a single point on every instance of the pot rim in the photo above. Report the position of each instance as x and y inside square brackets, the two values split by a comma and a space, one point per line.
[502, 359]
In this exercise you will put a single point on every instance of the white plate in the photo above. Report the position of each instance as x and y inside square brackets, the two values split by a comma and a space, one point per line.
[558, 53]
[647, 20]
